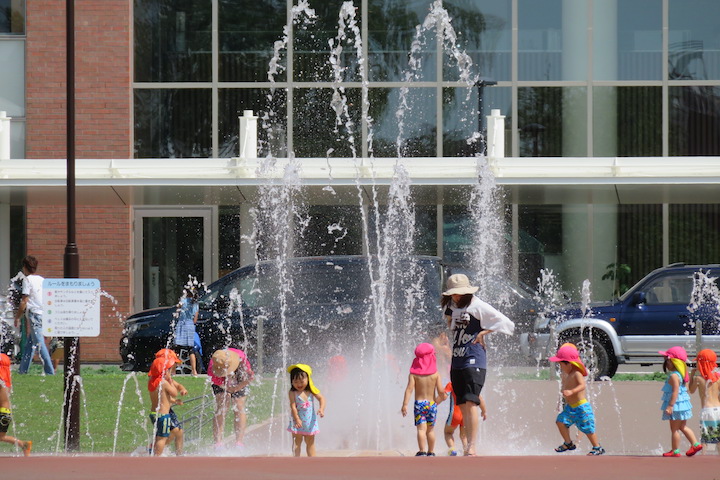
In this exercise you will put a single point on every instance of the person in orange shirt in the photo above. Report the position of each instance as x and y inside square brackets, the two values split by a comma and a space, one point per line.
[5, 412]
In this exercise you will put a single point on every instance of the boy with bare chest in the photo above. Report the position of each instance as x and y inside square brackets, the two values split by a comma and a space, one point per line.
[576, 410]
[424, 379]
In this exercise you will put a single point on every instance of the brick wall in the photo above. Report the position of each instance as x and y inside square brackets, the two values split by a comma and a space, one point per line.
[102, 79]
[103, 106]
[104, 244]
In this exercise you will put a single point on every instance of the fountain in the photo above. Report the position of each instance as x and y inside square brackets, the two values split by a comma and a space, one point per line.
[364, 398]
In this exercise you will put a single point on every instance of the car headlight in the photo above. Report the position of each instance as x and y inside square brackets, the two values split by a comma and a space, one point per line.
[131, 328]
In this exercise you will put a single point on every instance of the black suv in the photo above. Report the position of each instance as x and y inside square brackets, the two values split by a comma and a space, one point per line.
[327, 309]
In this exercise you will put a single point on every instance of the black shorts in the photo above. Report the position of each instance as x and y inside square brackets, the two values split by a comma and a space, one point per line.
[5, 421]
[467, 384]
[217, 390]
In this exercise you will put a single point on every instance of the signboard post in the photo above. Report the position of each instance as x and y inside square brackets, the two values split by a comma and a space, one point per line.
[71, 309]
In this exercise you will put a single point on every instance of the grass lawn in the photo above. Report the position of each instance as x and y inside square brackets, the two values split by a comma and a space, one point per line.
[112, 401]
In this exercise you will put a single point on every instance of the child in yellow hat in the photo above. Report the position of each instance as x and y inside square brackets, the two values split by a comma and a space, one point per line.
[304, 423]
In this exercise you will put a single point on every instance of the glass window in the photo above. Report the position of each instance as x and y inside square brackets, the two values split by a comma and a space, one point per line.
[627, 40]
[694, 120]
[552, 40]
[694, 233]
[172, 252]
[457, 234]
[669, 289]
[391, 31]
[231, 104]
[172, 41]
[640, 242]
[173, 123]
[12, 85]
[331, 230]
[694, 40]
[425, 229]
[627, 121]
[316, 129]
[312, 45]
[552, 121]
[228, 239]
[484, 31]
[416, 135]
[461, 120]
[247, 31]
[12, 17]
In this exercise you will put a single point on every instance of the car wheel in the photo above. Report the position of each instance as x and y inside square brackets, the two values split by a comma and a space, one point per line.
[597, 356]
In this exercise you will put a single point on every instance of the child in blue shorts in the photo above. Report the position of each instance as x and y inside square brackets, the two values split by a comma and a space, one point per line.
[577, 411]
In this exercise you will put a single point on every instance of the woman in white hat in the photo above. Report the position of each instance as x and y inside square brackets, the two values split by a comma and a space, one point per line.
[230, 374]
[470, 321]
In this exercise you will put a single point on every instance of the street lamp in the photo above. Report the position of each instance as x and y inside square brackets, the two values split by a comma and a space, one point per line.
[481, 83]
[71, 259]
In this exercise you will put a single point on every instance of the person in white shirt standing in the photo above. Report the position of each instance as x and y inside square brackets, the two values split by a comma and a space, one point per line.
[31, 307]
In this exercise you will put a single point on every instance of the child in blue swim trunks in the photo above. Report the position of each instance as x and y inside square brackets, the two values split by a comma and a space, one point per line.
[425, 381]
[577, 411]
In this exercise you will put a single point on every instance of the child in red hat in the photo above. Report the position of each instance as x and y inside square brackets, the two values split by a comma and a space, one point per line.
[425, 381]
[5, 412]
[577, 410]
[705, 378]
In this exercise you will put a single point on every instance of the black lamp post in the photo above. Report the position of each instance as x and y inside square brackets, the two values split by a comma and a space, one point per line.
[481, 83]
[71, 259]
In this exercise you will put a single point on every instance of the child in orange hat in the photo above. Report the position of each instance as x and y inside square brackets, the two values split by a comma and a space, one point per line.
[5, 412]
[704, 378]
[164, 391]
[577, 410]
[676, 406]
[424, 379]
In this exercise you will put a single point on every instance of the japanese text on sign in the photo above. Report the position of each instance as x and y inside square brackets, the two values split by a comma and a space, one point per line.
[71, 307]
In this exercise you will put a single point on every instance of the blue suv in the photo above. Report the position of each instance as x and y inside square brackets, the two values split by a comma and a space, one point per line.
[651, 316]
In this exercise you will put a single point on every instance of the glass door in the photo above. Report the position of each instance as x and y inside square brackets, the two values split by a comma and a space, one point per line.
[171, 245]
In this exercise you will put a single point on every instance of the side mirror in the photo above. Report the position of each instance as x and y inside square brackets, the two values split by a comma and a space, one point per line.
[639, 297]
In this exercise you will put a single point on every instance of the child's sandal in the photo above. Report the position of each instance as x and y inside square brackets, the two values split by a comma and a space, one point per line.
[565, 447]
[596, 451]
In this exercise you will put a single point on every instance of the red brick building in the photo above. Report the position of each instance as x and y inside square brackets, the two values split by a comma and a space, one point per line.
[103, 39]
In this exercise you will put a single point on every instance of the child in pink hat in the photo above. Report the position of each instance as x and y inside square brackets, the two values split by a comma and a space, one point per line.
[425, 381]
[676, 406]
[576, 411]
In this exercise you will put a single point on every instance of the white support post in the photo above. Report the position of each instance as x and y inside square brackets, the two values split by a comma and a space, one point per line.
[4, 136]
[5, 266]
[248, 135]
[495, 134]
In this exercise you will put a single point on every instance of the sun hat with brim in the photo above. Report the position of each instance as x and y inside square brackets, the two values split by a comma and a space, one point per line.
[678, 357]
[569, 353]
[675, 352]
[157, 371]
[225, 362]
[308, 371]
[459, 284]
[425, 362]
[169, 354]
[707, 365]
[5, 370]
